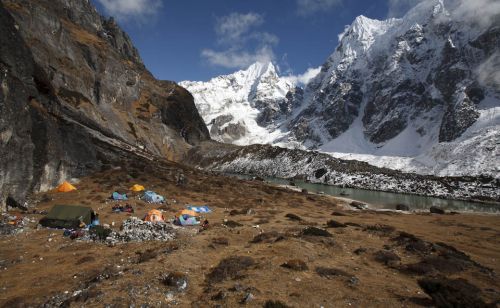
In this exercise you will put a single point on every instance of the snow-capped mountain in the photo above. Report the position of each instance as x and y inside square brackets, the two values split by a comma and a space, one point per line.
[246, 107]
[420, 93]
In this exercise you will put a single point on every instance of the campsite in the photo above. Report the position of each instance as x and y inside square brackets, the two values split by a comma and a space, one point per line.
[263, 244]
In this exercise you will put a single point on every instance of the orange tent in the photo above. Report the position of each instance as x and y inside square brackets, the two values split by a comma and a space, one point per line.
[154, 216]
[65, 187]
[187, 212]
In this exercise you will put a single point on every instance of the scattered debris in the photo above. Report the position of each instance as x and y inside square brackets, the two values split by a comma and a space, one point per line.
[119, 208]
[13, 224]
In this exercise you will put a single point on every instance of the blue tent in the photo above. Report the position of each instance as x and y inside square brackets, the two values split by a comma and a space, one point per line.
[118, 196]
[152, 197]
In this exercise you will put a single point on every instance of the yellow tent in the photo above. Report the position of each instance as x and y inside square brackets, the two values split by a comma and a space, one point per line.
[137, 188]
[66, 187]
[154, 216]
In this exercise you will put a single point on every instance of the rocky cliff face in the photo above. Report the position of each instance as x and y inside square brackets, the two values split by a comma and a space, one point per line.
[75, 96]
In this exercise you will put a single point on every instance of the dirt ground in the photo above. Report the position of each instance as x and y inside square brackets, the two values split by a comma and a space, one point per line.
[261, 254]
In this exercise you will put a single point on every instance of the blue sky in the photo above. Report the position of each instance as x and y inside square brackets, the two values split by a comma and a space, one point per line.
[200, 39]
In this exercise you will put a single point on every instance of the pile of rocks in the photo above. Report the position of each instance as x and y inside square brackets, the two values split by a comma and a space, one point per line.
[136, 230]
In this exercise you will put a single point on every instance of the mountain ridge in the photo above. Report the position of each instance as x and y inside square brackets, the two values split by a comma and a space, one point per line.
[408, 88]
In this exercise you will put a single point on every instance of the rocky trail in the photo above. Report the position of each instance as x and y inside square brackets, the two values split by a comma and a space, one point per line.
[264, 246]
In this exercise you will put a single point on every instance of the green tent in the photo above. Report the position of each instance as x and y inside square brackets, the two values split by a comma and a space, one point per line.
[68, 216]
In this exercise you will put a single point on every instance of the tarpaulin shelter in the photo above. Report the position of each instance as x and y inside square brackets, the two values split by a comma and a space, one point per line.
[199, 209]
[65, 187]
[68, 216]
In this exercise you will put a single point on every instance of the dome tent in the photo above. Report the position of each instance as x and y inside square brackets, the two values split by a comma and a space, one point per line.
[187, 218]
[137, 188]
[154, 216]
[65, 187]
[152, 197]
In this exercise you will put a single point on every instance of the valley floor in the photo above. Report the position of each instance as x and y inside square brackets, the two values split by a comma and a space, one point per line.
[371, 259]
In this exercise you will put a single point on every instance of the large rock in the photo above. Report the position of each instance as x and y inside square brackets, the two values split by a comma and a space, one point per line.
[75, 95]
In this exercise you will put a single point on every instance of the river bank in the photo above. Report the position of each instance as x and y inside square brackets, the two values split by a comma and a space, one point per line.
[275, 162]
[384, 200]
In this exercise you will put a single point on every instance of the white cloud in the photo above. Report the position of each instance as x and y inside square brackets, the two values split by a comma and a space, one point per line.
[237, 58]
[308, 7]
[489, 71]
[131, 9]
[242, 44]
[482, 12]
[303, 79]
[397, 8]
[233, 27]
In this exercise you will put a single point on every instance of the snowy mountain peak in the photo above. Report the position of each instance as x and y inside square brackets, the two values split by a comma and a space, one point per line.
[412, 88]
[242, 107]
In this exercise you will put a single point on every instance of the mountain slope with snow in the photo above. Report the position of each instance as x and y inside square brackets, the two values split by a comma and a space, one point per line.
[246, 107]
[420, 93]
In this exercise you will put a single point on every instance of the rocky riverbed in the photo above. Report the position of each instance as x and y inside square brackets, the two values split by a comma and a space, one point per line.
[268, 161]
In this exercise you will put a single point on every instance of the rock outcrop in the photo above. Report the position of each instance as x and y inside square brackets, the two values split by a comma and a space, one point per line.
[75, 96]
